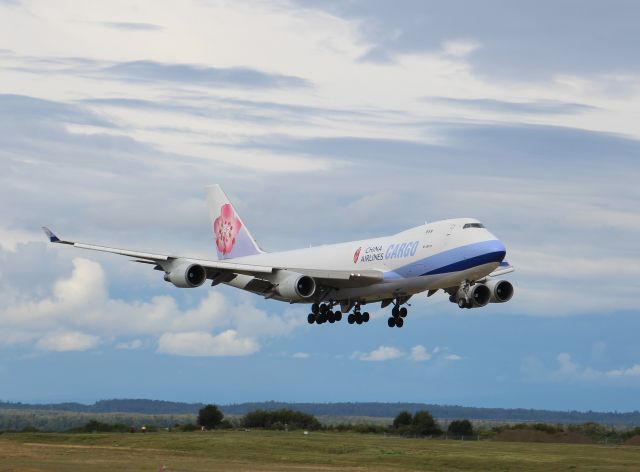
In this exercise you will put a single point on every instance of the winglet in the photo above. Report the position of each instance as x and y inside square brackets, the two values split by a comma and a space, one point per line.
[52, 237]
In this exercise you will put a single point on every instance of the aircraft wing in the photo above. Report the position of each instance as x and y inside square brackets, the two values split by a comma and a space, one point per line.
[221, 271]
[150, 258]
[503, 268]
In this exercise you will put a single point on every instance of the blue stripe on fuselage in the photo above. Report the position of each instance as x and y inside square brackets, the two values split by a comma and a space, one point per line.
[453, 260]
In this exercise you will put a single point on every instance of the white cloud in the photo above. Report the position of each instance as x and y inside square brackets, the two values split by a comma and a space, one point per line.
[10, 238]
[301, 355]
[453, 357]
[79, 311]
[67, 341]
[383, 353]
[567, 370]
[200, 343]
[633, 371]
[459, 48]
[131, 345]
[566, 367]
[419, 353]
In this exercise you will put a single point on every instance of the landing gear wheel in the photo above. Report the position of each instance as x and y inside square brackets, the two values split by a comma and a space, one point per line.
[403, 312]
[358, 318]
[331, 316]
[315, 308]
[365, 317]
[395, 311]
[324, 308]
[351, 318]
[391, 322]
[338, 315]
[321, 318]
[399, 322]
[462, 303]
[311, 318]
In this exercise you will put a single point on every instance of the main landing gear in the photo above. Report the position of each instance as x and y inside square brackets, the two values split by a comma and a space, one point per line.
[357, 316]
[398, 314]
[321, 313]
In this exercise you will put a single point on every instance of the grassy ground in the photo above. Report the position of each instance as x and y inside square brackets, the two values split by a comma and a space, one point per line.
[292, 451]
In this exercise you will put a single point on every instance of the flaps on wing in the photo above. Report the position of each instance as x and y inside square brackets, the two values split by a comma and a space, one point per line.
[342, 278]
[260, 286]
[247, 269]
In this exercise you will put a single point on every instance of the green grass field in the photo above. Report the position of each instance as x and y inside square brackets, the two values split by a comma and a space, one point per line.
[293, 451]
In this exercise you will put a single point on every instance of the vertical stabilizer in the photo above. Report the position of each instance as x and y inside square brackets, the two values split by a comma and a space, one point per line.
[233, 238]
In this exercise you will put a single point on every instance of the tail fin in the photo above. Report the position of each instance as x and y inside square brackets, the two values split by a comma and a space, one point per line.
[233, 238]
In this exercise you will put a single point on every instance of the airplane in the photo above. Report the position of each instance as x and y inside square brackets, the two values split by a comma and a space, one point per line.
[458, 256]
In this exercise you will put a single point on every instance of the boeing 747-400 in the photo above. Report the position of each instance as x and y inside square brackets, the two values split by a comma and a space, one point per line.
[459, 256]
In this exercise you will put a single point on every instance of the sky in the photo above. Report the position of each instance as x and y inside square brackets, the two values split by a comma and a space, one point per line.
[324, 122]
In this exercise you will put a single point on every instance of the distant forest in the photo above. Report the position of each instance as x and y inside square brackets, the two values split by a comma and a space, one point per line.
[379, 410]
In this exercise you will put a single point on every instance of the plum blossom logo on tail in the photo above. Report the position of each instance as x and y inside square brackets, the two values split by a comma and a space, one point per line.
[356, 255]
[226, 228]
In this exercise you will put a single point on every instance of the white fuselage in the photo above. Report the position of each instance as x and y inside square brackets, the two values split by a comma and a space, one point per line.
[433, 256]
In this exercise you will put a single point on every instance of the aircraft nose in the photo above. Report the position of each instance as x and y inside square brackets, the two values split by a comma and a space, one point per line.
[495, 250]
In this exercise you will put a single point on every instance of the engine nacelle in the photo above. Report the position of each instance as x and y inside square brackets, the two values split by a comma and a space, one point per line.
[296, 287]
[477, 296]
[186, 275]
[501, 290]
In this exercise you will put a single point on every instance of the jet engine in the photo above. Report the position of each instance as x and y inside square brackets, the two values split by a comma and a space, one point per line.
[501, 290]
[296, 287]
[477, 296]
[186, 275]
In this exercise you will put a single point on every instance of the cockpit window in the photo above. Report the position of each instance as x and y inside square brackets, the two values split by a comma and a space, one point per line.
[473, 225]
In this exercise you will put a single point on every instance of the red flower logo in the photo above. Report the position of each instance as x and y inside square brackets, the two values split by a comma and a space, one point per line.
[356, 255]
[226, 228]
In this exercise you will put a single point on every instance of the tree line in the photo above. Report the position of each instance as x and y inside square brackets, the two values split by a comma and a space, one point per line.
[210, 417]
[417, 424]
[372, 409]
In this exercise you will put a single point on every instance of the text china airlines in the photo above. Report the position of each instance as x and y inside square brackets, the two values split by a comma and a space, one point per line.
[394, 251]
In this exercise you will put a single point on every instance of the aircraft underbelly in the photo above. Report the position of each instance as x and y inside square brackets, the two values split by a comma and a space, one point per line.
[413, 285]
